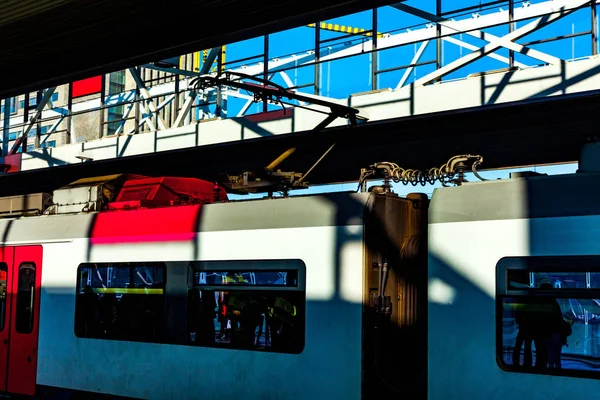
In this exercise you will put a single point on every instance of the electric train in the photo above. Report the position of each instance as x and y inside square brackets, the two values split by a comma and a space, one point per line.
[159, 288]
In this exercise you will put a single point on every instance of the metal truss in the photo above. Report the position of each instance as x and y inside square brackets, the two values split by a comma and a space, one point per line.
[22, 140]
[439, 28]
[495, 43]
[191, 90]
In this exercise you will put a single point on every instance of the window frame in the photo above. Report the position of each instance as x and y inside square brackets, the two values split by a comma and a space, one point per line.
[272, 265]
[583, 263]
[14, 106]
[32, 298]
[130, 264]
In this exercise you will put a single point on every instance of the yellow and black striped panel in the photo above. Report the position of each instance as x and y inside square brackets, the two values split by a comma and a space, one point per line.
[344, 29]
[198, 59]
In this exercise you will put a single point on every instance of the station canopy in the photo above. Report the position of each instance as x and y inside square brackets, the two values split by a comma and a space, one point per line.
[51, 42]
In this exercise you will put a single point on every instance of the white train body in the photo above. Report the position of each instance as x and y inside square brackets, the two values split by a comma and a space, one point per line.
[378, 308]
[323, 236]
[165, 371]
[543, 224]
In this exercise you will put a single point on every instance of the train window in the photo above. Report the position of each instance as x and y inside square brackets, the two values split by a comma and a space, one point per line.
[3, 293]
[548, 312]
[249, 305]
[25, 298]
[121, 301]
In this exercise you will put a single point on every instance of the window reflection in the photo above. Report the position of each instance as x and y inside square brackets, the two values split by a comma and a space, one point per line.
[254, 309]
[560, 280]
[247, 278]
[251, 320]
[25, 298]
[542, 332]
[123, 301]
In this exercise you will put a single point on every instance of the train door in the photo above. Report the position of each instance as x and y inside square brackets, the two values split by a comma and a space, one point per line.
[20, 281]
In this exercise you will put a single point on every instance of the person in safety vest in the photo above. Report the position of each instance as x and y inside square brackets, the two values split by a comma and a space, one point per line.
[245, 311]
[281, 319]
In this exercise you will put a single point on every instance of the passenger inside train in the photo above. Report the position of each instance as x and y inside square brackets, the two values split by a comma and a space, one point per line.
[252, 310]
[246, 319]
[121, 302]
[551, 321]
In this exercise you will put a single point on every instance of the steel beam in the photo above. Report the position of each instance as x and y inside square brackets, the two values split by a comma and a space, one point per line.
[185, 109]
[146, 95]
[6, 127]
[212, 56]
[469, 46]
[501, 42]
[414, 61]
[124, 119]
[22, 140]
[479, 34]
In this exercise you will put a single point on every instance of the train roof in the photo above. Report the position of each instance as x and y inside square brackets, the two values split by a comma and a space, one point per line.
[162, 223]
[535, 196]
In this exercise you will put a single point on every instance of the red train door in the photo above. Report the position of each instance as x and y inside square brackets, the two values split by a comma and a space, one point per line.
[20, 282]
[6, 265]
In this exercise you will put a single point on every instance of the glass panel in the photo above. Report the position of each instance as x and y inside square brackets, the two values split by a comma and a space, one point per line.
[595, 280]
[523, 279]
[3, 293]
[116, 85]
[251, 320]
[518, 279]
[25, 298]
[545, 333]
[247, 278]
[124, 301]
[261, 307]
[559, 280]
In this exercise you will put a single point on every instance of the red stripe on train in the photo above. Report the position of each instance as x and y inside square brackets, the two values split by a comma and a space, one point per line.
[170, 224]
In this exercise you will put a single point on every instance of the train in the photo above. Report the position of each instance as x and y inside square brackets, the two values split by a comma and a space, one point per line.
[127, 286]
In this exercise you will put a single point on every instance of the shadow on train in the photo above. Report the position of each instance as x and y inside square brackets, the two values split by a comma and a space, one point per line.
[393, 357]
[550, 311]
[394, 345]
[461, 334]
[514, 289]
[396, 356]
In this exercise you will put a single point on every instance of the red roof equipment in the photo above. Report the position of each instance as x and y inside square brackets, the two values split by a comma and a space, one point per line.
[143, 192]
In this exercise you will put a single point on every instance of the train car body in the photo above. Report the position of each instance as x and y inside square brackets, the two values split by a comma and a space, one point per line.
[492, 247]
[337, 296]
[119, 302]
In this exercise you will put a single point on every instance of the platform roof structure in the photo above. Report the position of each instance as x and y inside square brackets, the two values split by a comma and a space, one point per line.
[517, 85]
[90, 37]
[492, 132]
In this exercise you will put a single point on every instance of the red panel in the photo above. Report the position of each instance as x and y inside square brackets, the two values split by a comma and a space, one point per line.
[6, 256]
[160, 192]
[11, 163]
[22, 362]
[150, 225]
[87, 86]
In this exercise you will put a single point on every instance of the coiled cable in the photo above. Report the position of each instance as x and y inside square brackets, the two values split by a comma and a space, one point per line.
[450, 172]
